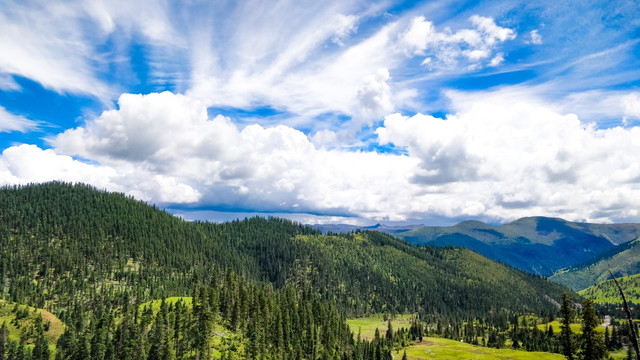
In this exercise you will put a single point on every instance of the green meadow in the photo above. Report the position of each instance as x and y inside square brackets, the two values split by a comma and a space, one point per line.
[438, 348]
[54, 327]
[367, 326]
[576, 328]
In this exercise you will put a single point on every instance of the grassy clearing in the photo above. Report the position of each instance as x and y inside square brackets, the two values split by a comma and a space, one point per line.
[576, 328]
[367, 326]
[26, 324]
[155, 304]
[437, 348]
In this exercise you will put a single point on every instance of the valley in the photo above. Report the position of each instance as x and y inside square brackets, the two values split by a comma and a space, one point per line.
[116, 278]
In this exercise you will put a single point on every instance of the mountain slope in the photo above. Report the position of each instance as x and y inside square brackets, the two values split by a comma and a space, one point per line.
[538, 245]
[622, 261]
[607, 292]
[64, 243]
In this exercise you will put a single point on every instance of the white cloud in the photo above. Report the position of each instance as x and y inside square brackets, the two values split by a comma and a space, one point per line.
[347, 26]
[305, 58]
[491, 32]
[470, 45]
[612, 107]
[536, 38]
[375, 95]
[11, 122]
[631, 104]
[520, 157]
[497, 60]
[7, 83]
[498, 156]
[45, 43]
[420, 34]
[27, 163]
[24, 164]
[278, 168]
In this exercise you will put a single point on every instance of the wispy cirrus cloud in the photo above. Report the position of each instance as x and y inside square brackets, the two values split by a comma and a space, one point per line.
[11, 122]
[323, 107]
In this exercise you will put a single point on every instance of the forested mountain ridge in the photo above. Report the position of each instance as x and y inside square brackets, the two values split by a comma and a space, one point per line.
[607, 292]
[60, 239]
[538, 245]
[259, 287]
[622, 261]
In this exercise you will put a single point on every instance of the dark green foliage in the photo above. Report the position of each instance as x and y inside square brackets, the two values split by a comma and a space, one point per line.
[41, 345]
[566, 335]
[92, 258]
[593, 344]
[77, 243]
[4, 338]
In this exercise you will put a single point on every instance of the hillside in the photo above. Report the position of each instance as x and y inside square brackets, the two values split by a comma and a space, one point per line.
[537, 245]
[81, 240]
[622, 261]
[22, 320]
[607, 292]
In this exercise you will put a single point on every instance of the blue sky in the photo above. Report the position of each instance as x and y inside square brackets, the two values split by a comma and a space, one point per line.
[348, 111]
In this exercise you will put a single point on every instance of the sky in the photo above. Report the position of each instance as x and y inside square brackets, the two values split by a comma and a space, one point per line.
[355, 112]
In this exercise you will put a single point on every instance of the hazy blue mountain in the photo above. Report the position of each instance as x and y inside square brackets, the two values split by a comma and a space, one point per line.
[346, 228]
[539, 245]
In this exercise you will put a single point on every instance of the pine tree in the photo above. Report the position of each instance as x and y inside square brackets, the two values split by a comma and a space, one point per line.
[592, 342]
[566, 334]
[389, 334]
[41, 348]
[4, 337]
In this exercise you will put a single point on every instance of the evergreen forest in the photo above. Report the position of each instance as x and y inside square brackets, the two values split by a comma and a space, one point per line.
[130, 281]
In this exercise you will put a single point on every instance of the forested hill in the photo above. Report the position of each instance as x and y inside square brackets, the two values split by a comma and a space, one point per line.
[62, 244]
[622, 261]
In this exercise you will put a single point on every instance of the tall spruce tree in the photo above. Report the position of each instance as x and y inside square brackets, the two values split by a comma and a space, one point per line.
[593, 347]
[41, 345]
[4, 338]
[566, 334]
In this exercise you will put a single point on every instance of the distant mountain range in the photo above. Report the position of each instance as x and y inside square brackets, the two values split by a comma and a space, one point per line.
[345, 228]
[538, 245]
[623, 260]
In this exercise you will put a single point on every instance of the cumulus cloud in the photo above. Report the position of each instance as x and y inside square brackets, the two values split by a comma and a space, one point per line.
[268, 169]
[375, 95]
[496, 156]
[520, 157]
[27, 163]
[11, 122]
[24, 164]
